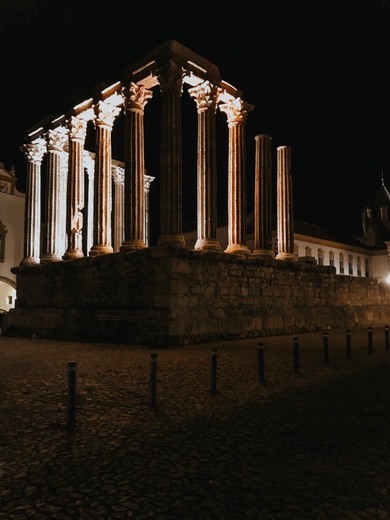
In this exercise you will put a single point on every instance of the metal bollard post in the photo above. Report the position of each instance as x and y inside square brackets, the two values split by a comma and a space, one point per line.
[326, 349]
[370, 340]
[214, 371]
[348, 344]
[153, 379]
[387, 342]
[261, 361]
[72, 377]
[296, 355]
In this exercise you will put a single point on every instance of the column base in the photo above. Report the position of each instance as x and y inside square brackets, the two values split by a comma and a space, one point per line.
[49, 258]
[238, 249]
[30, 260]
[100, 250]
[73, 254]
[171, 240]
[263, 253]
[290, 257]
[132, 245]
[207, 244]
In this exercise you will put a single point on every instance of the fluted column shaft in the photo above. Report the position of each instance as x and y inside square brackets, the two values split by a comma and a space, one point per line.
[263, 197]
[118, 175]
[236, 112]
[171, 218]
[206, 97]
[52, 243]
[148, 181]
[74, 228]
[285, 210]
[89, 165]
[32, 220]
[105, 115]
[135, 99]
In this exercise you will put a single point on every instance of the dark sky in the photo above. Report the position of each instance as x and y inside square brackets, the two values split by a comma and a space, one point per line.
[316, 71]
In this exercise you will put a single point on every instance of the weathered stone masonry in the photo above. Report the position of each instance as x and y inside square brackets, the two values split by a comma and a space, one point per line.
[173, 296]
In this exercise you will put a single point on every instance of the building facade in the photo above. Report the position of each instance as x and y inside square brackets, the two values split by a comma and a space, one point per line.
[11, 236]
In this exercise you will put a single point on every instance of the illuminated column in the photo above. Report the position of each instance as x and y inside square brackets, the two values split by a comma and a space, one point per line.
[236, 112]
[171, 218]
[52, 245]
[118, 175]
[63, 207]
[285, 213]
[32, 221]
[74, 228]
[206, 97]
[105, 115]
[263, 197]
[89, 165]
[148, 181]
[135, 99]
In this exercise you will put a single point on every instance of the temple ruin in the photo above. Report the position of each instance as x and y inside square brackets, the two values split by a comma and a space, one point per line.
[88, 271]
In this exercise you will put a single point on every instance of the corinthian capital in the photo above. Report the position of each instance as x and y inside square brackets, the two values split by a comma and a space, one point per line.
[57, 139]
[136, 96]
[34, 151]
[105, 114]
[118, 174]
[77, 129]
[170, 76]
[205, 95]
[236, 111]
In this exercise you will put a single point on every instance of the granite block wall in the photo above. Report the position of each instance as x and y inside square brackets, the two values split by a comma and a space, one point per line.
[175, 296]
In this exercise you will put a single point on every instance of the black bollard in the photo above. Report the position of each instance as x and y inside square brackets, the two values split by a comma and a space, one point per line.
[72, 377]
[326, 349]
[261, 361]
[387, 343]
[296, 355]
[214, 371]
[370, 340]
[348, 344]
[153, 379]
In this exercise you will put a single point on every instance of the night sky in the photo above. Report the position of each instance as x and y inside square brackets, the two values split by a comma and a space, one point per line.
[317, 73]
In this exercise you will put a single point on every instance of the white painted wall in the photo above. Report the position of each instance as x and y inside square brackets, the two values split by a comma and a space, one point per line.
[12, 219]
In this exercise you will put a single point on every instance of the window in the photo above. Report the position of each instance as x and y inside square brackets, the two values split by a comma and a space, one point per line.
[341, 263]
[320, 257]
[308, 251]
[366, 268]
[359, 266]
[331, 258]
[3, 232]
[350, 265]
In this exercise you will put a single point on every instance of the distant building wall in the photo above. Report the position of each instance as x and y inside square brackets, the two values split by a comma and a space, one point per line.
[11, 236]
[174, 296]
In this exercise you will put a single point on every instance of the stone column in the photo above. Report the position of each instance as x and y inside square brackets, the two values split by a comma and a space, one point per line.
[285, 210]
[263, 197]
[170, 77]
[105, 116]
[206, 97]
[135, 99]
[62, 218]
[118, 175]
[89, 165]
[74, 228]
[55, 200]
[32, 219]
[236, 112]
[148, 179]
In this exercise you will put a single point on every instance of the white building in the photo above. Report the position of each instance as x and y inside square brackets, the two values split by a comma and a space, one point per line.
[11, 236]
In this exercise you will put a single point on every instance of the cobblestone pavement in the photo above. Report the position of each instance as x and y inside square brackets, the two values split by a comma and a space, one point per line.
[311, 441]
